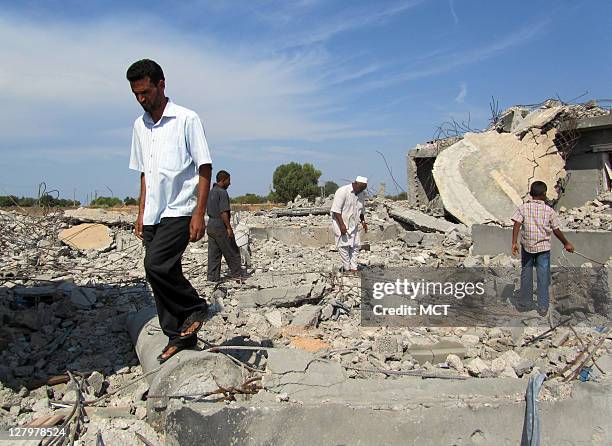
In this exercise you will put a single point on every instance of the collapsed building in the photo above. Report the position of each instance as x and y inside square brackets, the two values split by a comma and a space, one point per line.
[482, 177]
[284, 358]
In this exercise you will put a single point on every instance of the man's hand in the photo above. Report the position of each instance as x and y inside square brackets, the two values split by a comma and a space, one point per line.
[515, 249]
[196, 227]
[365, 226]
[569, 247]
[343, 230]
[230, 233]
[138, 226]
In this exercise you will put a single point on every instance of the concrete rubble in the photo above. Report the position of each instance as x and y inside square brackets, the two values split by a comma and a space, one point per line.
[285, 352]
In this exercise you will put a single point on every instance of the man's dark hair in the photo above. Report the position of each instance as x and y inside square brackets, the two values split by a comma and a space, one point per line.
[538, 189]
[145, 68]
[222, 175]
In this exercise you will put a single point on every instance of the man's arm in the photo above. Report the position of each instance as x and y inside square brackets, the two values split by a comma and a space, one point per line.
[226, 218]
[363, 223]
[197, 225]
[567, 245]
[141, 206]
[515, 233]
[555, 223]
[338, 217]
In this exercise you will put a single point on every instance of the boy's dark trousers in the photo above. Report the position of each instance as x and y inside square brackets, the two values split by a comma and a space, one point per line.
[541, 261]
[175, 298]
[220, 244]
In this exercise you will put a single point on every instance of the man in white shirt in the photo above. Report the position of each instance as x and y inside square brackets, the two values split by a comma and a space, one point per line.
[169, 150]
[347, 212]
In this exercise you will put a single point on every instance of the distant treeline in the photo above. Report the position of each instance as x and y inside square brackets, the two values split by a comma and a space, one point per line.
[45, 200]
[400, 196]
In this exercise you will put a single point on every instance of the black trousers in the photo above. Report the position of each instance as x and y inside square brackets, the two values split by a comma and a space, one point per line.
[219, 244]
[175, 298]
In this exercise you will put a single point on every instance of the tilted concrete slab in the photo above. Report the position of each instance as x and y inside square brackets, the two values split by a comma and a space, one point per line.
[485, 176]
[537, 119]
[87, 236]
[421, 221]
[281, 297]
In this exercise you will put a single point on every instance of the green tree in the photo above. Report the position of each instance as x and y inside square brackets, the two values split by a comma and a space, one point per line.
[129, 201]
[108, 202]
[330, 188]
[8, 200]
[249, 199]
[27, 202]
[290, 180]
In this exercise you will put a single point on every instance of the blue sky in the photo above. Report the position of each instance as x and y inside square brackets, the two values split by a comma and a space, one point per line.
[324, 81]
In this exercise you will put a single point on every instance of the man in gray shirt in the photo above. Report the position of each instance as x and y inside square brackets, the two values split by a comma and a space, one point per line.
[221, 240]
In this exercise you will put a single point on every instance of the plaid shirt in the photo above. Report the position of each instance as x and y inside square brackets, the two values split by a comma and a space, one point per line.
[538, 220]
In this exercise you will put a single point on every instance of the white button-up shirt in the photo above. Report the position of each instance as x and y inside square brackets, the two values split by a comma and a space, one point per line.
[169, 153]
[350, 206]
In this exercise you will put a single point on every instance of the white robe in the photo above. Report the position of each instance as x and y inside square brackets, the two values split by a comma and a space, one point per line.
[350, 206]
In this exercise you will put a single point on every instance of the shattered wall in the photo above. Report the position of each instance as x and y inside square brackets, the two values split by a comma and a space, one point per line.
[585, 164]
[422, 189]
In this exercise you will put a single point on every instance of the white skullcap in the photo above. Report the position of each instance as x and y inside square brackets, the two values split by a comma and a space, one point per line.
[363, 180]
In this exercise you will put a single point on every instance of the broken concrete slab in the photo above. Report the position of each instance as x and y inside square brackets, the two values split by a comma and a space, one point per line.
[94, 215]
[306, 316]
[281, 297]
[295, 371]
[511, 118]
[412, 238]
[485, 176]
[537, 119]
[421, 221]
[87, 236]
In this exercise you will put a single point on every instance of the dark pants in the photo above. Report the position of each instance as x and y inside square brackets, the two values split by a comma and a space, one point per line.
[219, 244]
[175, 298]
[541, 261]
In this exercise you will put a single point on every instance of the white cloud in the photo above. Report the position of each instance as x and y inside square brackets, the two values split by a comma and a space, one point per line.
[350, 18]
[65, 83]
[451, 4]
[462, 93]
[449, 61]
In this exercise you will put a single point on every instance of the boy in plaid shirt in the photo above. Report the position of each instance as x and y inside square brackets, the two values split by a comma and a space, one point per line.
[538, 221]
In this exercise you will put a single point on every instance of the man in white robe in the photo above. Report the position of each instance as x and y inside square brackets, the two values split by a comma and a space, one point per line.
[347, 213]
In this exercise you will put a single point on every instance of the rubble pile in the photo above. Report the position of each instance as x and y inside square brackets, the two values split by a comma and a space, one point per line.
[64, 309]
[594, 215]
